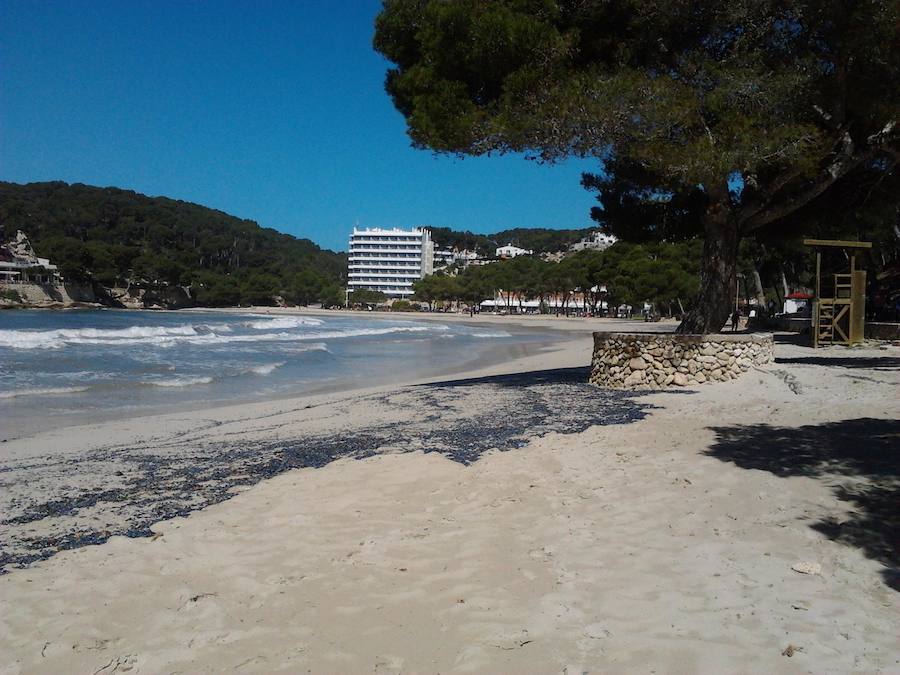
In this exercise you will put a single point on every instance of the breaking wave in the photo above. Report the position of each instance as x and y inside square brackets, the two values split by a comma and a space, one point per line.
[41, 391]
[361, 332]
[184, 334]
[181, 382]
[51, 339]
[266, 369]
[282, 322]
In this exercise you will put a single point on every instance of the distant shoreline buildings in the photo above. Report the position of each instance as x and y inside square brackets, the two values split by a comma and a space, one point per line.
[391, 260]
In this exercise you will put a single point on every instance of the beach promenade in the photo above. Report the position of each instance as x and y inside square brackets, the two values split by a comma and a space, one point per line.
[506, 519]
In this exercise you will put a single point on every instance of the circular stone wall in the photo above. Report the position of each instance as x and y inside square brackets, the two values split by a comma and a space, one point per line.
[656, 360]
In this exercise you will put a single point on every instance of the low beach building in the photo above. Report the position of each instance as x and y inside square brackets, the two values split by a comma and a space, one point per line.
[575, 302]
[389, 260]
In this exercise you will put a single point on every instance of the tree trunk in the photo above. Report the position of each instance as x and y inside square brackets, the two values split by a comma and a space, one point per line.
[760, 292]
[717, 273]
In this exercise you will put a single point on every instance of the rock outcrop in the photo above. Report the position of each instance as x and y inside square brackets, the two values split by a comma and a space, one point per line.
[21, 249]
[147, 296]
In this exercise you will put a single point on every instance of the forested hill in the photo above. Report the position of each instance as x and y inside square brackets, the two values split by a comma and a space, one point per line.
[115, 236]
[538, 239]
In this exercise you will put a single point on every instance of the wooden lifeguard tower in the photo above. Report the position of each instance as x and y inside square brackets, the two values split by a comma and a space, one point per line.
[839, 319]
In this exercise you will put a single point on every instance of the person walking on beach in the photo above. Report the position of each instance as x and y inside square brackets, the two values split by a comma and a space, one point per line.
[735, 318]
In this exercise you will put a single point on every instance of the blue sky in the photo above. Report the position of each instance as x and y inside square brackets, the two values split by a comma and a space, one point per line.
[273, 111]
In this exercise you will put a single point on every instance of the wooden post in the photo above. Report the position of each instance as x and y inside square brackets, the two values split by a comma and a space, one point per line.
[857, 307]
[814, 318]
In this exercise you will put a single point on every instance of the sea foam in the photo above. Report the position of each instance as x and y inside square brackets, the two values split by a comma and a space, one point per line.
[181, 382]
[41, 391]
[201, 334]
[269, 323]
[266, 369]
[51, 339]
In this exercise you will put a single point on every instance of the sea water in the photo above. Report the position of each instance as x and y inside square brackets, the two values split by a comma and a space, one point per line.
[67, 367]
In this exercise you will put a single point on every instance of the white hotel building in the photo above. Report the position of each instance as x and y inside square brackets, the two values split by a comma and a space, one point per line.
[389, 260]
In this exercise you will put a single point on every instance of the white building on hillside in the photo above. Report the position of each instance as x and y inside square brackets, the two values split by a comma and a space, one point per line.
[389, 260]
[466, 257]
[597, 241]
[444, 257]
[510, 251]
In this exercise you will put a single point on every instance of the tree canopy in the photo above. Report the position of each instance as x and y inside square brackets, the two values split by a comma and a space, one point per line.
[537, 239]
[364, 296]
[737, 114]
[664, 275]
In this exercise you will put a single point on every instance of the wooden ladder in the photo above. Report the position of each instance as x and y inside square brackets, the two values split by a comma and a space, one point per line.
[825, 321]
[842, 286]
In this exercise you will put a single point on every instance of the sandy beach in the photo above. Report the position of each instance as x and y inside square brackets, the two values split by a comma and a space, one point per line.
[510, 518]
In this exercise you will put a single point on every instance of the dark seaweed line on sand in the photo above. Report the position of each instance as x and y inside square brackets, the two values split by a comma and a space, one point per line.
[150, 487]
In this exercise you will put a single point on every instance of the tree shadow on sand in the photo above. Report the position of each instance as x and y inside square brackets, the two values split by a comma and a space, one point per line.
[867, 362]
[864, 452]
[85, 498]
[578, 375]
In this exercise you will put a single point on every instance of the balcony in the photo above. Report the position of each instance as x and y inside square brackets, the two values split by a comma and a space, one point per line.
[359, 274]
[411, 269]
[412, 250]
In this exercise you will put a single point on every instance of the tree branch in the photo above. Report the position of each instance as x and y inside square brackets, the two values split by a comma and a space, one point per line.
[844, 160]
[827, 117]
[770, 208]
[883, 136]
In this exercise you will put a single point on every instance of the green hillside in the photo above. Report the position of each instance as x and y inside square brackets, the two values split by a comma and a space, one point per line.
[119, 237]
[114, 237]
[538, 239]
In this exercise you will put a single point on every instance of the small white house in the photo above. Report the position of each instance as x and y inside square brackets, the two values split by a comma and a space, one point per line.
[510, 251]
[443, 257]
[598, 241]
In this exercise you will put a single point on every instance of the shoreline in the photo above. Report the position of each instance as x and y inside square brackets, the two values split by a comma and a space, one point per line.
[559, 334]
[566, 352]
[512, 519]
[129, 482]
[523, 320]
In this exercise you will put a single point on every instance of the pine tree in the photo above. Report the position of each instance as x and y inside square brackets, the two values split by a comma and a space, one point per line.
[746, 111]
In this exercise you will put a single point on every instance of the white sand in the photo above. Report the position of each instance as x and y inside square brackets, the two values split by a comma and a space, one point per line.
[619, 549]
